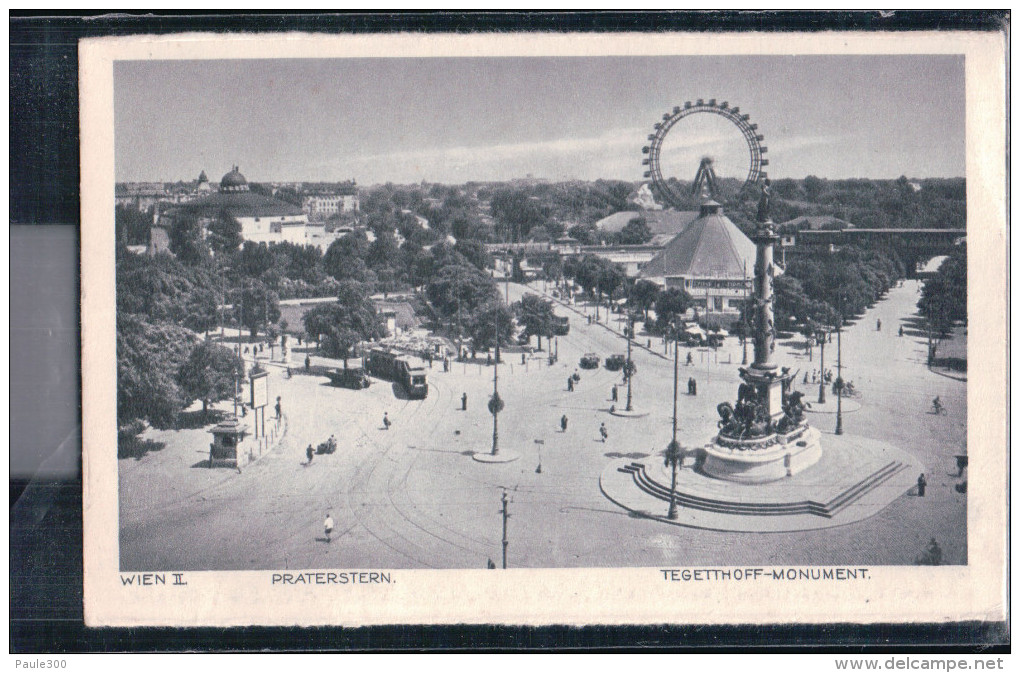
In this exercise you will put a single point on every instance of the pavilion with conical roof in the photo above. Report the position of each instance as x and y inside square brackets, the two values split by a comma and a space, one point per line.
[712, 259]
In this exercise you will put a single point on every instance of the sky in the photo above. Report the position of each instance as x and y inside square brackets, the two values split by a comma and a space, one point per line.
[454, 120]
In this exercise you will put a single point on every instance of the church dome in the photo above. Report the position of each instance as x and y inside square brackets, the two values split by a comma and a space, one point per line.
[233, 182]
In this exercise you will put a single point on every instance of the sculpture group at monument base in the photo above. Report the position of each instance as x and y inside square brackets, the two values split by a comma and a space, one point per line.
[763, 459]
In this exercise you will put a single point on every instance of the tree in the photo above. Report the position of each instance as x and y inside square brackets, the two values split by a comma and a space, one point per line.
[516, 213]
[536, 316]
[493, 321]
[635, 232]
[257, 305]
[461, 289]
[132, 225]
[643, 295]
[255, 259]
[340, 327]
[186, 241]
[944, 300]
[345, 257]
[611, 277]
[224, 233]
[149, 355]
[474, 252]
[203, 309]
[210, 374]
[669, 306]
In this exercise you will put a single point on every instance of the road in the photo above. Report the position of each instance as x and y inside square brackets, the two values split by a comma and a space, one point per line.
[412, 497]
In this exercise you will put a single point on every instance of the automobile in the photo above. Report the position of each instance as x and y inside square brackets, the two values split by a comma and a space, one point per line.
[589, 361]
[615, 362]
[354, 378]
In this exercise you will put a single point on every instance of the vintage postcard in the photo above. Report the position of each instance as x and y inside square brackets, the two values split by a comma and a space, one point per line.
[544, 329]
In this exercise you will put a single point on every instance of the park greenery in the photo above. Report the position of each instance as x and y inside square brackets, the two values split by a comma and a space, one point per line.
[428, 243]
[943, 300]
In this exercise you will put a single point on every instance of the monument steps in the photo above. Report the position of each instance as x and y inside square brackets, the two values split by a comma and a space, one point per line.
[843, 500]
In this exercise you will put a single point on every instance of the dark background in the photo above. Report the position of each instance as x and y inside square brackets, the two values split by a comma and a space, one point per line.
[45, 465]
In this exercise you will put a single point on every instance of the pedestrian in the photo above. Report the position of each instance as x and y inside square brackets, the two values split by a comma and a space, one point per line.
[878, 325]
[488, 359]
[805, 378]
[603, 432]
[921, 484]
[694, 387]
[430, 359]
[446, 364]
[614, 394]
[961, 465]
[563, 423]
[386, 420]
[299, 340]
[690, 359]
[310, 452]
[245, 350]
[463, 401]
[648, 344]
[278, 408]
[308, 363]
[244, 411]
[328, 524]
[901, 330]
[522, 359]
[570, 384]
[289, 373]
[490, 565]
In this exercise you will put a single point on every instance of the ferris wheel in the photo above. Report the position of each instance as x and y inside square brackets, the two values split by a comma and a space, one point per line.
[671, 193]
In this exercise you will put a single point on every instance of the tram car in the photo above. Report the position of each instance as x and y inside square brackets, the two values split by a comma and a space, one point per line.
[400, 369]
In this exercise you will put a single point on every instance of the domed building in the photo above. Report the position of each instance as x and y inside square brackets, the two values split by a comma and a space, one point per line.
[234, 181]
[712, 259]
[263, 218]
[203, 182]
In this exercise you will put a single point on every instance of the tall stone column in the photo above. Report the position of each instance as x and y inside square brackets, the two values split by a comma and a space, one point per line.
[764, 281]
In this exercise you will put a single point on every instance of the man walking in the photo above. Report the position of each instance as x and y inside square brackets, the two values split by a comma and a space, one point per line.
[463, 401]
[329, 527]
[279, 409]
[386, 420]
[563, 423]
[921, 484]
[603, 433]
[310, 452]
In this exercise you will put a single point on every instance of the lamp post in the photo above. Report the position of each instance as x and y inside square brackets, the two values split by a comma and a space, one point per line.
[495, 403]
[630, 372]
[821, 379]
[839, 375]
[747, 311]
[673, 451]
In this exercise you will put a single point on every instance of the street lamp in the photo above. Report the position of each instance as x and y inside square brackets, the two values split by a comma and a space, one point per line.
[673, 450]
[839, 375]
[630, 369]
[495, 404]
[747, 311]
[821, 379]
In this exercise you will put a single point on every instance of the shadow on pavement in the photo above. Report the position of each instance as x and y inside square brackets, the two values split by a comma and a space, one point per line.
[132, 447]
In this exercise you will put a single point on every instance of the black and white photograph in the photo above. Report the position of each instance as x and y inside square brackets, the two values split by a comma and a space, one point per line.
[600, 310]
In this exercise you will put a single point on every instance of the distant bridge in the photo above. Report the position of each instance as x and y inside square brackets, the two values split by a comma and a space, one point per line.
[913, 245]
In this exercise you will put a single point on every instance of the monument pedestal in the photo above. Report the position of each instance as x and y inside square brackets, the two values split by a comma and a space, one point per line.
[763, 459]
